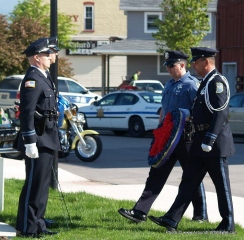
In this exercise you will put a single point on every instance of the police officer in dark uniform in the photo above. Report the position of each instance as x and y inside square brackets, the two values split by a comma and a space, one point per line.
[38, 139]
[52, 44]
[212, 144]
[179, 92]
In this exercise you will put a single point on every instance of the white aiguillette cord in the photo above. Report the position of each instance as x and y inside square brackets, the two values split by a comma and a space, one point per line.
[206, 94]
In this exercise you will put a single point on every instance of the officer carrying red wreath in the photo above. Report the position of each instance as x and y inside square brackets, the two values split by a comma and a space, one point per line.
[179, 93]
[212, 144]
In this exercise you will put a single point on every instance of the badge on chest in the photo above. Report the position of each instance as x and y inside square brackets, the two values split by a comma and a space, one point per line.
[178, 88]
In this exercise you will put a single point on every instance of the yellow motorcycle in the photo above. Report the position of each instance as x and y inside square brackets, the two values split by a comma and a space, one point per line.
[86, 143]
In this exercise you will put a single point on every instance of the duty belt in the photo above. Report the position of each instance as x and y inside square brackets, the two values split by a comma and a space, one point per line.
[201, 127]
[205, 126]
[51, 115]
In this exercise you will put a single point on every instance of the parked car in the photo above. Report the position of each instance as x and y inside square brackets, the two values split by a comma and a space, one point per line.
[148, 85]
[69, 88]
[122, 111]
[236, 113]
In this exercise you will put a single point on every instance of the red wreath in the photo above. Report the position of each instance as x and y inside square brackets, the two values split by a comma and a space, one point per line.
[166, 137]
[161, 135]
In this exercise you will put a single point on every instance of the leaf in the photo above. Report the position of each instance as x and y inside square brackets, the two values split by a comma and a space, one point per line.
[184, 24]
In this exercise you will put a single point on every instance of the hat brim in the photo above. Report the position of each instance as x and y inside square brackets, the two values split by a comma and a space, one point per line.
[30, 54]
[202, 56]
[170, 62]
[45, 50]
[55, 48]
[194, 59]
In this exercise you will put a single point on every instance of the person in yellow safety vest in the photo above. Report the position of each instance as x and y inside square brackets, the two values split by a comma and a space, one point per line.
[136, 75]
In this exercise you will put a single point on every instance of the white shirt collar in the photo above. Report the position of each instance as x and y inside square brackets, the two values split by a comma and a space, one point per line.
[207, 74]
[42, 71]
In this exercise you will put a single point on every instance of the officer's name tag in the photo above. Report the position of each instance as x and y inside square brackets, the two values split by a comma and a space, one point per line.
[219, 87]
[30, 84]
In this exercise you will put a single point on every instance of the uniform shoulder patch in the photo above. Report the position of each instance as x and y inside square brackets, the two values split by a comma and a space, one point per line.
[219, 87]
[30, 84]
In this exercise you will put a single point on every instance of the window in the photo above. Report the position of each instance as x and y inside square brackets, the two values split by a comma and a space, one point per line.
[149, 18]
[125, 99]
[161, 68]
[88, 17]
[151, 97]
[75, 88]
[62, 86]
[210, 22]
[108, 100]
[11, 84]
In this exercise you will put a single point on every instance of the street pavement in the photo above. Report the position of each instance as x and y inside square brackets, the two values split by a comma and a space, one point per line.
[70, 182]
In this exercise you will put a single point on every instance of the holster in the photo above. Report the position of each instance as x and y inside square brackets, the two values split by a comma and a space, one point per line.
[188, 131]
[40, 123]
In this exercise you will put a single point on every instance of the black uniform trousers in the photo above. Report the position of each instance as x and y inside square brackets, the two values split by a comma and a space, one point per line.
[34, 194]
[194, 173]
[158, 177]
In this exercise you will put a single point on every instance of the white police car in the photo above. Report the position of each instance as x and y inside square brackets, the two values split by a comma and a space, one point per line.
[122, 111]
[148, 85]
[69, 88]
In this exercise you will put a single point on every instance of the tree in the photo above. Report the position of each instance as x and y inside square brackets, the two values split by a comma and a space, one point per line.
[37, 11]
[29, 21]
[184, 24]
[4, 46]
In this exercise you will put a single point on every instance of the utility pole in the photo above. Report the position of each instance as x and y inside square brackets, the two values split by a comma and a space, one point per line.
[54, 75]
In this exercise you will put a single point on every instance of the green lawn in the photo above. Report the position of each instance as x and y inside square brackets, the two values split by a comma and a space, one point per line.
[93, 218]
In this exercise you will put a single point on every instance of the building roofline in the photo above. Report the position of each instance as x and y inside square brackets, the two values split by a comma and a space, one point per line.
[136, 9]
[125, 52]
[137, 47]
[154, 9]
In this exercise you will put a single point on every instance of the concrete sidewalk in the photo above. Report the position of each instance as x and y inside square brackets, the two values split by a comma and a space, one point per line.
[73, 183]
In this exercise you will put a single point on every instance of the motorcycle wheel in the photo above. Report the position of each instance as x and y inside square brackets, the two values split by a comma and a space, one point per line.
[17, 156]
[92, 151]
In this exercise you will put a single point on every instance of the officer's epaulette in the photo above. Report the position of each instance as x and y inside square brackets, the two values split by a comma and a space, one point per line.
[193, 78]
[35, 71]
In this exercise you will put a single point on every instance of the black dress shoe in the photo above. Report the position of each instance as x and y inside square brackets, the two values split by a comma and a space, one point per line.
[48, 222]
[134, 215]
[225, 227]
[165, 222]
[46, 232]
[224, 230]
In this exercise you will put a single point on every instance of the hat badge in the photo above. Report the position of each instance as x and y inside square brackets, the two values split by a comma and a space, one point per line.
[166, 55]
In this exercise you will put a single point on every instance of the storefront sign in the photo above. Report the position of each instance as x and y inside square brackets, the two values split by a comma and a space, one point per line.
[84, 47]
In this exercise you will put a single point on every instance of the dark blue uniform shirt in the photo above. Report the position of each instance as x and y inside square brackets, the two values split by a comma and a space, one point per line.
[37, 93]
[179, 94]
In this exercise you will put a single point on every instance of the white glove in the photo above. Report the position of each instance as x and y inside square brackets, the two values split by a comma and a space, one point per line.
[206, 148]
[31, 150]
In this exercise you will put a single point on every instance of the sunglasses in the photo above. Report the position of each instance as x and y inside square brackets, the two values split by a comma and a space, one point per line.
[170, 65]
